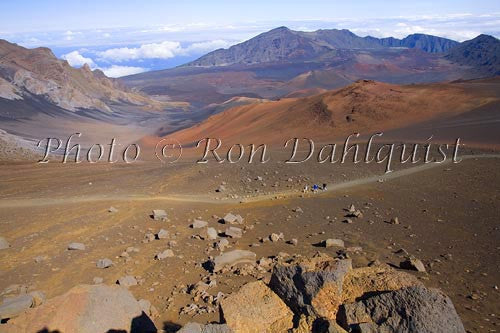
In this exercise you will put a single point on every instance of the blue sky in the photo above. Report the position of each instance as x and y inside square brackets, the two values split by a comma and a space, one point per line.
[123, 37]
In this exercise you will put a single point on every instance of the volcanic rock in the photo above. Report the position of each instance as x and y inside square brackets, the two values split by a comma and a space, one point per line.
[255, 308]
[86, 309]
[412, 309]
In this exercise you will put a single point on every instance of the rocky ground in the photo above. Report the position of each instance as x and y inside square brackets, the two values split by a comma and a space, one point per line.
[187, 248]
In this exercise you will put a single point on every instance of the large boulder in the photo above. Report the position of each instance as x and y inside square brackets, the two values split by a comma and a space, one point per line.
[409, 310]
[13, 306]
[86, 309]
[368, 280]
[317, 287]
[255, 308]
[311, 287]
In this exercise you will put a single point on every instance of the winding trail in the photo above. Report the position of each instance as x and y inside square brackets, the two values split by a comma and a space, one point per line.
[39, 202]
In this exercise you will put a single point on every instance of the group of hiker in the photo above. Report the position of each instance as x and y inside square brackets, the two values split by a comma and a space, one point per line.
[314, 188]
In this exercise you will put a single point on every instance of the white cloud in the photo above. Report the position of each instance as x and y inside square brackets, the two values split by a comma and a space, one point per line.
[75, 59]
[118, 71]
[163, 50]
[207, 46]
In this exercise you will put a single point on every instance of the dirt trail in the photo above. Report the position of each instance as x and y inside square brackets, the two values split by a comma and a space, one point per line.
[37, 202]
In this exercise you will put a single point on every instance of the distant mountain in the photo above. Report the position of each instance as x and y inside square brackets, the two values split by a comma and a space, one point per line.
[285, 45]
[35, 73]
[482, 53]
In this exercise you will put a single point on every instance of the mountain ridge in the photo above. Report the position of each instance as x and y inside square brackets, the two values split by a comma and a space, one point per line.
[27, 72]
[283, 44]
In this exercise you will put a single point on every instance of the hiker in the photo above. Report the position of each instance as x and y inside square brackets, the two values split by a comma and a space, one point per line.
[306, 188]
[324, 186]
[315, 188]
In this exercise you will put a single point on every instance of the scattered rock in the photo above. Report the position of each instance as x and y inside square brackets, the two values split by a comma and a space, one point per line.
[333, 242]
[412, 309]
[164, 254]
[112, 210]
[104, 263]
[127, 281]
[276, 237]
[197, 224]
[222, 244]
[413, 264]
[394, 220]
[232, 258]
[4, 244]
[148, 237]
[211, 233]
[233, 219]
[76, 246]
[160, 215]
[85, 309]
[162, 234]
[255, 308]
[293, 241]
[221, 188]
[234, 232]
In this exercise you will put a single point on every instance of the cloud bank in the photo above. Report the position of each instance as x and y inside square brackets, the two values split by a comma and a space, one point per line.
[119, 71]
[163, 50]
[75, 59]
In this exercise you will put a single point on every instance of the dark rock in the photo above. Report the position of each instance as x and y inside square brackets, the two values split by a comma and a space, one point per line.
[412, 309]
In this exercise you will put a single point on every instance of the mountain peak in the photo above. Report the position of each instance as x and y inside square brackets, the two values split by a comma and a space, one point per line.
[481, 53]
[282, 28]
[485, 38]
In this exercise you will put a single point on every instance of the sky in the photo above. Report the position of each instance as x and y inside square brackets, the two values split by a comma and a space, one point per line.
[126, 37]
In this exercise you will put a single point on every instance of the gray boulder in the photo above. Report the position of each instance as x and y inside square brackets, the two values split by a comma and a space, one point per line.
[162, 234]
[127, 281]
[160, 215]
[14, 306]
[409, 310]
[104, 263]
[211, 233]
[197, 224]
[231, 218]
[233, 232]
[304, 286]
